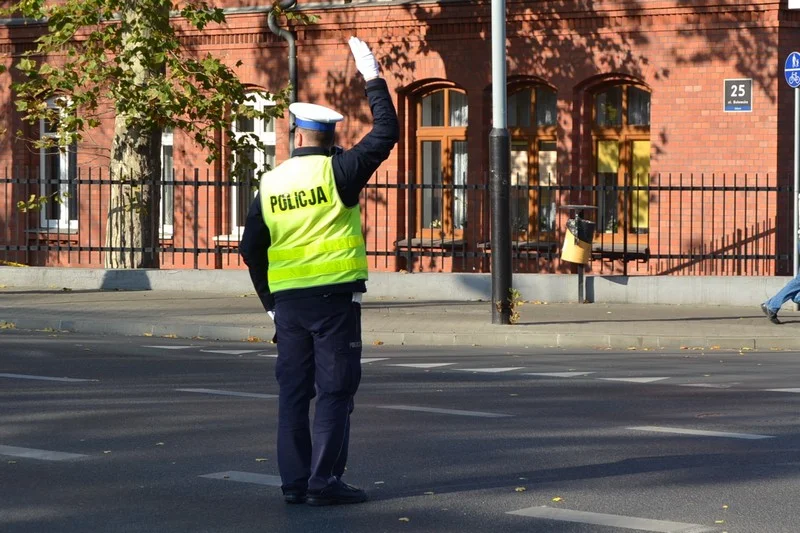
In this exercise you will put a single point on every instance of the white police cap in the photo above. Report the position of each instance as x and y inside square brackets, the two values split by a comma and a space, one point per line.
[314, 117]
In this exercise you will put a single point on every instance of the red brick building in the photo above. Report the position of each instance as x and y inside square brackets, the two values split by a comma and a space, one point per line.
[671, 119]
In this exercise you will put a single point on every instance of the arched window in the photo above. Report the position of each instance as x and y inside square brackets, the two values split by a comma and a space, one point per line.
[621, 144]
[532, 127]
[261, 160]
[58, 172]
[441, 136]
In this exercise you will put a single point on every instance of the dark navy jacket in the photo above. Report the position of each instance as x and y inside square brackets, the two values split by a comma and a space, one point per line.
[352, 169]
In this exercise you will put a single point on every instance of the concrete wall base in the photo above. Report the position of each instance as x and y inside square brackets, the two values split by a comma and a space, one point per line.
[558, 288]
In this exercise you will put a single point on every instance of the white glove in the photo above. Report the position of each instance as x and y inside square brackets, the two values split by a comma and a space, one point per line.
[365, 61]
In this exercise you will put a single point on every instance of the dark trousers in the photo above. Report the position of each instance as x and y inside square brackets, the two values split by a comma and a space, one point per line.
[319, 354]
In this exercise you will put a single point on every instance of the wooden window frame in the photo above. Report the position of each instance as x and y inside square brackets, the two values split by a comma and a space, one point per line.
[625, 135]
[532, 136]
[446, 135]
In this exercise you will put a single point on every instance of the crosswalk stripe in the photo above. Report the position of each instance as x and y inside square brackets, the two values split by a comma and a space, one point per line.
[44, 455]
[43, 378]
[457, 412]
[373, 359]
[246, 477]
[602, 519]
[168, 347]
[783, 390]
[229, 352]
[229, 393]
[634, 380]
[491, 370]
[423, 365]
[701, 433]
[557, 374]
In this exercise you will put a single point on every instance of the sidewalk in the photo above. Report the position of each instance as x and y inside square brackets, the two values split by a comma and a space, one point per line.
[238, 317]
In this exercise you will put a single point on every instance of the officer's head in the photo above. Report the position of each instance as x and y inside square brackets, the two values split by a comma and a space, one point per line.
[316, 125]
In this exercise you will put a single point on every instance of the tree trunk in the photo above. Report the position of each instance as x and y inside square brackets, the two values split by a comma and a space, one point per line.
[132, 230]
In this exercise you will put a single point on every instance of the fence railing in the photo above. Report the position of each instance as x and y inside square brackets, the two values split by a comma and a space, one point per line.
[666, 224]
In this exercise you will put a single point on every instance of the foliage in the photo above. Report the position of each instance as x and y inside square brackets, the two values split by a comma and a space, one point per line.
[86, 59]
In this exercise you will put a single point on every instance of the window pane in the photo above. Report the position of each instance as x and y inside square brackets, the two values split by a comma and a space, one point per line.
[245, 124]
[52, 178]
[432, 175]
[458, 109]
[459, 179]
[545, 107]
[640, 198]
[167, 191]
[270, 126]
[608, 107]
[519, 109]
[433, 109]
[72, 187]
[269, 158]
[638, 107]
[547, 179]
[520, 192]
[244, 188]
[607, 170]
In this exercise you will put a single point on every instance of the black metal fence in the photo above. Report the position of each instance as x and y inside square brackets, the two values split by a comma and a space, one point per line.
[686, 224]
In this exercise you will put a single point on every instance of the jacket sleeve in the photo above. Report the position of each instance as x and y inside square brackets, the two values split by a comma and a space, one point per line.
[353, 168]
[253, 248]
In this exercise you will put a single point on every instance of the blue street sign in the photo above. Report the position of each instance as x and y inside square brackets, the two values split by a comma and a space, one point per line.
[792, 70]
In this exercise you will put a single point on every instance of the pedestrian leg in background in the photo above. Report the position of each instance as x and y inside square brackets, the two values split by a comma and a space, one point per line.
[791, 291]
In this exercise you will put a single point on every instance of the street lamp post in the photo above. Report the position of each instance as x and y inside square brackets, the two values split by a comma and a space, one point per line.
[499, 156]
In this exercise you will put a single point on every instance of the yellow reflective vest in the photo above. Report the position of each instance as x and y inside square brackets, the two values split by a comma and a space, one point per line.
[316, 239]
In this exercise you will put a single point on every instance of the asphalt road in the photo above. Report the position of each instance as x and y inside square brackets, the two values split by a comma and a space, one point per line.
[124, 435]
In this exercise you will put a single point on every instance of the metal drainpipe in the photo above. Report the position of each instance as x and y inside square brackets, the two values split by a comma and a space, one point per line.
[289, 37]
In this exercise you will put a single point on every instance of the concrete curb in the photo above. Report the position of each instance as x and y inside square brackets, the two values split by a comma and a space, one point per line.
[393, 338]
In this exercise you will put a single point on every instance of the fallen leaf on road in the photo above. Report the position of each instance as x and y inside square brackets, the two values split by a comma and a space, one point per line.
[558, 499]
[377, 343]
[520, 489]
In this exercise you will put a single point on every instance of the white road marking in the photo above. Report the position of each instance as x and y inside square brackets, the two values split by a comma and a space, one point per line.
[43, 378]
[272, 355]
[710, 385]
[557, 374]
[601, 519]
[783, 390]
[702, 433]
[229, 352]
[168, 347]
[634, 380]
[44, 455]
[246, 477]
[373, 359]
[229, 393]
[458, 412]
[423, 365]
[491, 370]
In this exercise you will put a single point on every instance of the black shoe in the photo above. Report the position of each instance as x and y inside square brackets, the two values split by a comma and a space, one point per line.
[294, 496]
[771, 315]
[336, 494]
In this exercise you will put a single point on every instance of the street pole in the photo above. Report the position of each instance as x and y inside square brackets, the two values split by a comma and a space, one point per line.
[499, 155]
[796, 177]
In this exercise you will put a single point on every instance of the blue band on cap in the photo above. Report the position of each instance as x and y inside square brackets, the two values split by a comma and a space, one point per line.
[313, 125]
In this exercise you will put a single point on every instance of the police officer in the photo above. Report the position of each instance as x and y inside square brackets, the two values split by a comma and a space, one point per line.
[304, 248]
